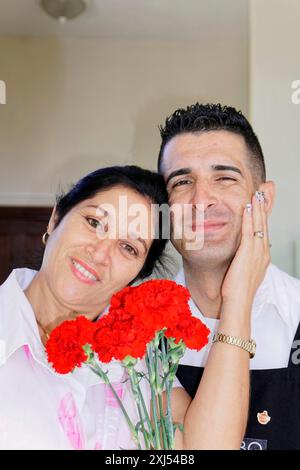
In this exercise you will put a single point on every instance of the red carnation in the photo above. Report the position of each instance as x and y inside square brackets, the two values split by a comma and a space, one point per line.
[119, 334]
[155, 303]
[137, 313]
[65, 345]
[192, 331]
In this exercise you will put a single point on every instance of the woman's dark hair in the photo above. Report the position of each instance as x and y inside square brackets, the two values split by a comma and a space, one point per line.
[144, 182]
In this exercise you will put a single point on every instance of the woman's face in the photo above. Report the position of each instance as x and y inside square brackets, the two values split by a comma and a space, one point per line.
[97, 249]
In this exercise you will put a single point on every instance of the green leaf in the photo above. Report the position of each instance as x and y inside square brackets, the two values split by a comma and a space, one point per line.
[89, 352]
[179, 426]
[129, 362]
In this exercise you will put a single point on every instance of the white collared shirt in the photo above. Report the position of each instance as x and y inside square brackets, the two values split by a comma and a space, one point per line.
[40, 409]
[275, 318]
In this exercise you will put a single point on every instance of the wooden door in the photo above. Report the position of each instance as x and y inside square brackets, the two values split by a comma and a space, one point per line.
[21, 231]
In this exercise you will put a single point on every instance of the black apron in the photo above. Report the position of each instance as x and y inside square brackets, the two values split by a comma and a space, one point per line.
[275, 391]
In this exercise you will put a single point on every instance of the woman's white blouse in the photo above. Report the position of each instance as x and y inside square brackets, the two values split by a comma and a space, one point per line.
[40, 409]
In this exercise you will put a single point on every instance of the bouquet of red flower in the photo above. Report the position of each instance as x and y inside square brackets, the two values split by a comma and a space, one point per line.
[151, 321]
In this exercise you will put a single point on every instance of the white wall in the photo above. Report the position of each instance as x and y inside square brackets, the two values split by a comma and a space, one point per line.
[274, 65]
[75, 105]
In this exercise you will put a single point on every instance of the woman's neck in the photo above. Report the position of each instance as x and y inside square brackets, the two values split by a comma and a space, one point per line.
[49, 312]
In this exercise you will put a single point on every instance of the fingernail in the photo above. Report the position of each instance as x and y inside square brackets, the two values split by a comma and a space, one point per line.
[248, 207]
[260, 196]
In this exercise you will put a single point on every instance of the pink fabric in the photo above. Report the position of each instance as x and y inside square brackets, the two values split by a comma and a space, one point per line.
[98, 446]
[68, 417]
[110, 398]
[27, 351]
[28, 354]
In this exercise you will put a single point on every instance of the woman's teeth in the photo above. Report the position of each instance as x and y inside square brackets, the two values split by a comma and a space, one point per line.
[83, 271]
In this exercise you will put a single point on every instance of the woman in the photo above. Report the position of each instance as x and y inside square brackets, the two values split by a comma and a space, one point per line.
[83, 265]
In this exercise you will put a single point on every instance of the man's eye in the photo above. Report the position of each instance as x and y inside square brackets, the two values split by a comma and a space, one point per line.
[226, 178]
[129, 249]
[181, 183]
[95, 223]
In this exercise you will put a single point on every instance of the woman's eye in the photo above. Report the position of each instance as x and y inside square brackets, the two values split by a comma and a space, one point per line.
[129, 249]
[181, 183]
[95, 223]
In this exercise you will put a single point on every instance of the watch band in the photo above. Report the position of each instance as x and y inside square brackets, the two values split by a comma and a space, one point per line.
[249, 346]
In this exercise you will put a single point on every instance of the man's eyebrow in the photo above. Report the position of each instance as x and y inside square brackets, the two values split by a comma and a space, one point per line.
[181, 171]
[226, 168]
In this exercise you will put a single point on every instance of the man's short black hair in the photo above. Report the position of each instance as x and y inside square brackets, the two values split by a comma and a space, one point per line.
[214, 117]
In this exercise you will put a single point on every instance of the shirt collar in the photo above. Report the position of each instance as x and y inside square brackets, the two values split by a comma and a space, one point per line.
[267, 293]
[18, 328]
[18, 325]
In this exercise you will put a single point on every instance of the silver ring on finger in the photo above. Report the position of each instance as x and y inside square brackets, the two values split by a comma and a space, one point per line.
[259, 234]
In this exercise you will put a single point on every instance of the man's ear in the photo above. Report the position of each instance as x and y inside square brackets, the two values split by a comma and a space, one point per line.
[269, 190]
[52, 221]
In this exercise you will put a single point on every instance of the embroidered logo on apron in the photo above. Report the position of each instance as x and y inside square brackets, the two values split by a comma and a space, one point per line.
[263, 418]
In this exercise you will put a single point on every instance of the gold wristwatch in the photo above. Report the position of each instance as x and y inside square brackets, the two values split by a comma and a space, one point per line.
[249, 346]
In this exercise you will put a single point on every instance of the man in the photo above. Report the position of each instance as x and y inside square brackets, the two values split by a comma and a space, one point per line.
[210, 155]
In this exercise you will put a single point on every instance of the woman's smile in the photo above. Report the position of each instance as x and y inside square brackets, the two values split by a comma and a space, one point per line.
[83, 272]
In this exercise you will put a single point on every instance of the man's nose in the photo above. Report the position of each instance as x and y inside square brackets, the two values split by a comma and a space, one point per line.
[100, 251]
[204, 195]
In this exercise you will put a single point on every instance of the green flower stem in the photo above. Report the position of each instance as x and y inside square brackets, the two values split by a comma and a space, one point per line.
[168, 382]
[159, 390]
[97, 369]
[145, 410]
[140, 403]
[150, 365]
[163, 423]
[159, 435]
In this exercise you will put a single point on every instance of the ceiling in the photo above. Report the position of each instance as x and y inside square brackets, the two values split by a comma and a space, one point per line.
[132, 19]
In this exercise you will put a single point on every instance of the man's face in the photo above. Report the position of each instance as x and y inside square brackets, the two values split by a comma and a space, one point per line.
[211, 169]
